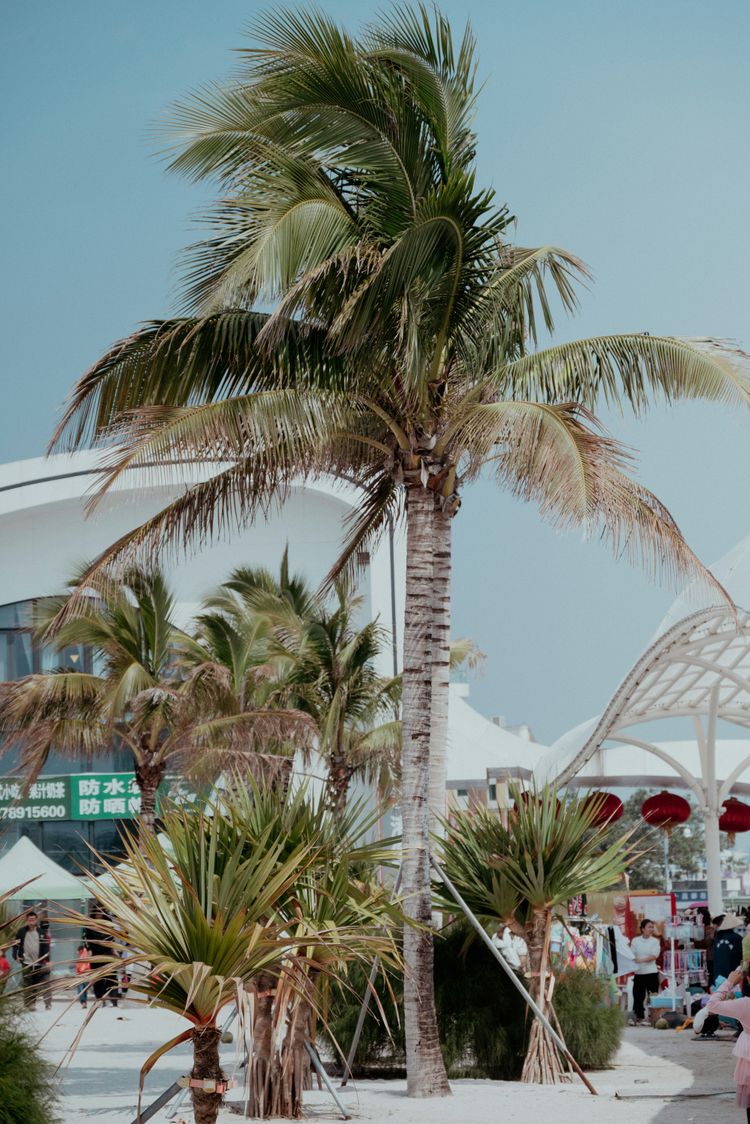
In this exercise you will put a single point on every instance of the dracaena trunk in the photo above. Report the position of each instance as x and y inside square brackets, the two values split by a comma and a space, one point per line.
[426, 1076]
[542, 1064]
[291, 1074]
[206, 1064]
[262, 1061]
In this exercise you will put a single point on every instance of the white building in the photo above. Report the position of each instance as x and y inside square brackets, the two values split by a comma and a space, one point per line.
[45, 535]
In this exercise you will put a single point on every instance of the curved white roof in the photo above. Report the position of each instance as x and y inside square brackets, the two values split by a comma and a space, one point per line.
[476, 745]
[698, 667]
[732, 570]
[46, 532]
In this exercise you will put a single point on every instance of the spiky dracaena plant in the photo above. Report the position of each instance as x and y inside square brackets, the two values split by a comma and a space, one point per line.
[250, 899]
[338, 917]
[515, 873]
[401, 352]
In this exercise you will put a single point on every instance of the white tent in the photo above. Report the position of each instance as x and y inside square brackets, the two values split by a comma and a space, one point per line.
[25, 861]
[476, 745]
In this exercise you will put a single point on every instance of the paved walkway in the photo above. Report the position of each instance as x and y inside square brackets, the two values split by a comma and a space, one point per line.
[659, 1077]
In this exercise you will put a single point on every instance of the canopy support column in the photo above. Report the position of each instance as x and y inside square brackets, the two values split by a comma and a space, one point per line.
[711, 813]
[713, 861]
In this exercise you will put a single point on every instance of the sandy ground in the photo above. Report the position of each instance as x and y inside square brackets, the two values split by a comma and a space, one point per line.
[659, 1077]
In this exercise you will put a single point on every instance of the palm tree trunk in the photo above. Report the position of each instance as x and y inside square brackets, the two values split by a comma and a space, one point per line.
[148, 777]
[206, 1064]
[338, 780]
[441, 656]
[425, 1069]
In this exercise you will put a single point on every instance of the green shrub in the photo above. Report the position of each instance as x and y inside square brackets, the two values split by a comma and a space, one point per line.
[591, 1027]
[481, 1017]
[27, 1088]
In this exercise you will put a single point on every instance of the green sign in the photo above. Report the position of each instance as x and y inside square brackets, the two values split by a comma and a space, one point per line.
[83, 796]
[47, 799]
[104, 796]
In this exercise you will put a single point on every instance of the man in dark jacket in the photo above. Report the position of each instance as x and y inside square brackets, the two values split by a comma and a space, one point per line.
[32, 952]
[727, 955]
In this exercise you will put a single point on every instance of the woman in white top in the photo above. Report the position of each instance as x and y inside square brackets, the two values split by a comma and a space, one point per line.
[646, 950]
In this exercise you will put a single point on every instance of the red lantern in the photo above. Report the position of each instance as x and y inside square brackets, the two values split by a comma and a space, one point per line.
[665, 810]
[734, 818]
[608, 808]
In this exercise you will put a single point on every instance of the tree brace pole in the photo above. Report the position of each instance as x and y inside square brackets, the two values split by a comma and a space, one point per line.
[365, 1006]
[511, 975]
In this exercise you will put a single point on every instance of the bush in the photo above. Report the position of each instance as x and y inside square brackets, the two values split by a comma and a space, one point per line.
[27, 1088]
[481, 1017]
[591, 1027]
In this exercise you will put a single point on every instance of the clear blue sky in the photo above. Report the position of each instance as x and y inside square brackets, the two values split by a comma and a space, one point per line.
[619, 131]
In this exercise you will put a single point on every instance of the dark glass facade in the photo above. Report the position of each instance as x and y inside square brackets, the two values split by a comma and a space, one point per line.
[65, 841]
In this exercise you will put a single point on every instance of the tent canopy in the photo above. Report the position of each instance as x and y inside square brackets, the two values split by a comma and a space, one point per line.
[476, 745]
[25, 861]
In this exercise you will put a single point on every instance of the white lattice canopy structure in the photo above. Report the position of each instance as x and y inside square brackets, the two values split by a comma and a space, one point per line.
[697, 668]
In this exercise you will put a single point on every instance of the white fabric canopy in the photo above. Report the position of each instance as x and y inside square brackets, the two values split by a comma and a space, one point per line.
[24, 861]
[475, 744]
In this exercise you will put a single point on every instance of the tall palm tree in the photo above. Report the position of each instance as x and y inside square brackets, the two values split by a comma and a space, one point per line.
[135, 696]
[401, 352]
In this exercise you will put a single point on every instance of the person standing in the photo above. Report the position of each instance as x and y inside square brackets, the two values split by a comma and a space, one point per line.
[83, 967]
[728, 945]
[646, 950]
[31, 950]
[99, 943]
[4, 970]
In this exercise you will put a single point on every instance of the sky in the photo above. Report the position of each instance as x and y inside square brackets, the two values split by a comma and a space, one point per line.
[616, 130]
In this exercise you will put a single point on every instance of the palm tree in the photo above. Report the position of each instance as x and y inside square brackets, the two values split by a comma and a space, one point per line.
[236, 670]
[401, 352]
[277, 633]
[135, 697]
[516, 873]
[355, 710]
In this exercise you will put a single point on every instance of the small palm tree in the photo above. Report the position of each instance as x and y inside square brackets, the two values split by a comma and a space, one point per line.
[517, 873]
[339, 916]
[355, 710]
[203, 921]
[135, 697]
